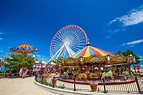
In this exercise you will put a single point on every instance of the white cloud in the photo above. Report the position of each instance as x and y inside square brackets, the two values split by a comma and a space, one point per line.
[116, 31]
[134, 42]
[135, 16]
[1, 39]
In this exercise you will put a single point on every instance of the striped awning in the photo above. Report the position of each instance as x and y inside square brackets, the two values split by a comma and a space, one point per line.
[90, 50]
[40, 62]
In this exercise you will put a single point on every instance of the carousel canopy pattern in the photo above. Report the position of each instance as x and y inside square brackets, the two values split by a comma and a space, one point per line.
[90, 50]
[24, 49]
[25, 46]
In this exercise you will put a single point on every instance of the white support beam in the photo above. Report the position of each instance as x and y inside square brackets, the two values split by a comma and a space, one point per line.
[56, 53]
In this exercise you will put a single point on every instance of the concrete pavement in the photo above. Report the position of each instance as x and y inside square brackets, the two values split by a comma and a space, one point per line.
[19, 86]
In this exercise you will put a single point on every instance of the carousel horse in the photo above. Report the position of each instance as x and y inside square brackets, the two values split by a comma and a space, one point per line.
[81, 76]
[88, 74]
[126, 74]
[107, 74]
[115, 72]
[93, 75]
[65, 75]
[74, 73]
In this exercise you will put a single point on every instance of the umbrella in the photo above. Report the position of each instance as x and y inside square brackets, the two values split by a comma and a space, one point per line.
[41, 62]
[52, 63]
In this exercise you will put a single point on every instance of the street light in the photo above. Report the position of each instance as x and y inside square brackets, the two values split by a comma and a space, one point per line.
[74, 80]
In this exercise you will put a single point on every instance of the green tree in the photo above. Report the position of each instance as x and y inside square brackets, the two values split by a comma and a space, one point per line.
[128, 52]
[60, 58]
[1, 62]
[17, 60]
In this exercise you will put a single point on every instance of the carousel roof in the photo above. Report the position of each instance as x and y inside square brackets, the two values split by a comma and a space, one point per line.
[90, 50]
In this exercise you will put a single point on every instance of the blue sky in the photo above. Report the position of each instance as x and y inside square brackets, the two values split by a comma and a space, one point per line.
[112, 25]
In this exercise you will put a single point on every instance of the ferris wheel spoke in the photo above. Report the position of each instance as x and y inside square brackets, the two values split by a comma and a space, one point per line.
[60, 37]
[71, 38]
[57, 52]
[60, 53]
[69, 51]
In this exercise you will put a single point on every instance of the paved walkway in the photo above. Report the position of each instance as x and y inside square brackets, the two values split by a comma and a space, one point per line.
[19, 86]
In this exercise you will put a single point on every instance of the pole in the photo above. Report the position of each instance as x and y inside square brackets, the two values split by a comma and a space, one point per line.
[42, 78]
[74, 83]
[53, 81]
[136, 74]
[41, 68]
[104, 85]
[136, 79]
[36, 77]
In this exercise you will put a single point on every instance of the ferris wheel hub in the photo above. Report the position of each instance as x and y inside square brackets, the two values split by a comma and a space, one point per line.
[67, 41]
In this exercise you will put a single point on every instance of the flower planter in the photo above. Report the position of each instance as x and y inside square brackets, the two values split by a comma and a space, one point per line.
[93, 87]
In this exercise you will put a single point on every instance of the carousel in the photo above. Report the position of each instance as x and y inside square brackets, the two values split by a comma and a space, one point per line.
[93, 63]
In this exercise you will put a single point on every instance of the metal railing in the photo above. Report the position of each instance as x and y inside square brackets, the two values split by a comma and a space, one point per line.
[129, 87]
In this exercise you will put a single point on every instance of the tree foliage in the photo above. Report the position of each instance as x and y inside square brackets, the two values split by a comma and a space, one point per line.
[18, 60]
[128, 52]
[59, 58]
[1, 62]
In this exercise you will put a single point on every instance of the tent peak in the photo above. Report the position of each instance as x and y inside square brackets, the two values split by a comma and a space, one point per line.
[88, 43]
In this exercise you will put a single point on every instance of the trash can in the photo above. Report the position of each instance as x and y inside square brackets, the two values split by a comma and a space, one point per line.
[93, 87]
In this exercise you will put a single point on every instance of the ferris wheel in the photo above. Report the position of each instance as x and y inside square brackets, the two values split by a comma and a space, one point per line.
[67, 41]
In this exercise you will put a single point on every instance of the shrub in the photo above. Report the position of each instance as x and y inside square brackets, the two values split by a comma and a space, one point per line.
[62, 86]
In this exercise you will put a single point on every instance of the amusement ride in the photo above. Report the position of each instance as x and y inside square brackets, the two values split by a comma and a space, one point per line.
[24, 49]
[67, 41]
[83, 61]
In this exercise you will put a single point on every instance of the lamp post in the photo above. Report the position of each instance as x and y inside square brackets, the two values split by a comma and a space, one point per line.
[74, 83]
[74, 89]
[42, 70]
[136, 75]
[105, 91]
[53, 81]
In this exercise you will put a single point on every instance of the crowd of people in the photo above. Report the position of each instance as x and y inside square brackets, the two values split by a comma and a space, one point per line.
[23, 72]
